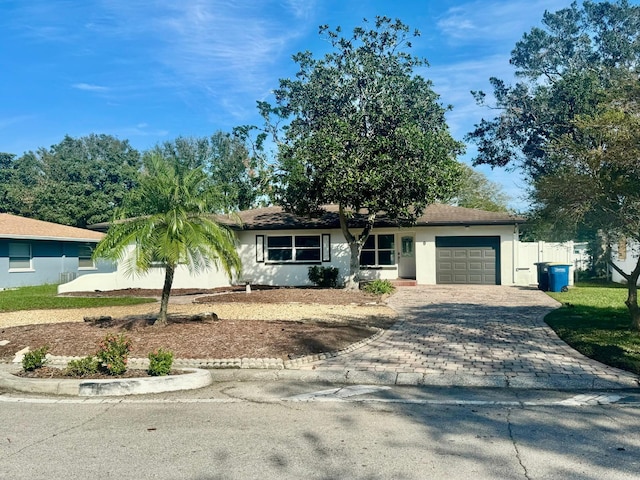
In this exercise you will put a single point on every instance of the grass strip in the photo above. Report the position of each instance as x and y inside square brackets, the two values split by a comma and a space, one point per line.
[595, 321]
[44, 297]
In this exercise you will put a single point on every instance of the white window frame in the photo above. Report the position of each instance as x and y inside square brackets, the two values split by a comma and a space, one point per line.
[13, 256]
[85, 258]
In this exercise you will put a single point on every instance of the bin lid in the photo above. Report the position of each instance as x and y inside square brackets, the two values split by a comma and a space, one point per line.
[559, 264]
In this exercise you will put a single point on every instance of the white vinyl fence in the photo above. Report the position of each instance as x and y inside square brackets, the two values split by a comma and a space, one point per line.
[530, 253]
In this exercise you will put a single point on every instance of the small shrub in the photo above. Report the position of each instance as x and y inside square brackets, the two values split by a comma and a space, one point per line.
[325, 277]
[35, 359]
[379, 287]
[160, 362]
[113, 353]
[82, 367]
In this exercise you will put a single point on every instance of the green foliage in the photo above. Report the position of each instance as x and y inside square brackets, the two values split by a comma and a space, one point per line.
[35, 359]
[325, 277]
[236, 173]
[594, 321]
[160, 362]
[477, 191]
[45, 297]
[76, 182]
[358, 128]
[564, 69]
[379, 287]
[83, 367]
[168, 219]
[113, 353]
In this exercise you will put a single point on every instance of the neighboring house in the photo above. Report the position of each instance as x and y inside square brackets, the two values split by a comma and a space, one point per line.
[624, 254]
[447, 245]
[33, 252]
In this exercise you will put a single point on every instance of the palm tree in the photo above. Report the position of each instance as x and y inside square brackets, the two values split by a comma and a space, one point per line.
[168, 220]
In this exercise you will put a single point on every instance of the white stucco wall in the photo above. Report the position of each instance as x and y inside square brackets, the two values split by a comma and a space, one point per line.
[154, 279]
[292, 274]
[426, 249]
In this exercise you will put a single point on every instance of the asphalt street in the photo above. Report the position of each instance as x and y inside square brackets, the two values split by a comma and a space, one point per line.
[290, 430]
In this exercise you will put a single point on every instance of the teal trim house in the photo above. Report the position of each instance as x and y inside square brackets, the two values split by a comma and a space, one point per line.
[33, 252]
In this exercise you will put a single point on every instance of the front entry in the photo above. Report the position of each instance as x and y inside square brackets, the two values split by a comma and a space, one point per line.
[407, 257]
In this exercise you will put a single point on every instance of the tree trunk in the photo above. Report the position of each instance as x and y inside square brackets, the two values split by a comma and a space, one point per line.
[352, 280]
[166, 292]
[632, 293]
[632, 305]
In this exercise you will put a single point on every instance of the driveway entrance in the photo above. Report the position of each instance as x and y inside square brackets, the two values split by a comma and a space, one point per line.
[474, 335]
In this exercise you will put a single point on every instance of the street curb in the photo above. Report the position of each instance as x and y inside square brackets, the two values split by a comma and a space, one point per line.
[193, 378]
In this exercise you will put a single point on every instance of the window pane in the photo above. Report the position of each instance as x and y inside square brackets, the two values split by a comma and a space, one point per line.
[279, 255]
[19, 255]
[19, 263]
[370, 244]
[308, 254]
[386, 242]
[19, 250]
[308, 241]
[279, 241]
[386, 257]
[367, 257]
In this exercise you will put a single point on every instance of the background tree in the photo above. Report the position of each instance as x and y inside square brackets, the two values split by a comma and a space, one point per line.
[238, 174]
[358, 128]
[168, 220]
[570, 122]
[600, 162]
[477, 191]
[564, 70]
[76, 182]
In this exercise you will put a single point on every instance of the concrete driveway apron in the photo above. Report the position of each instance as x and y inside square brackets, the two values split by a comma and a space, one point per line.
[467, 335]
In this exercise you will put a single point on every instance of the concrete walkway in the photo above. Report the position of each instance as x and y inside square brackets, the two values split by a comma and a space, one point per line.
[468, 335]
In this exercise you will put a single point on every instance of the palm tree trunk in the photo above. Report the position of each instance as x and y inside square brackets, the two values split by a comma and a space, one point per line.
[166, 292]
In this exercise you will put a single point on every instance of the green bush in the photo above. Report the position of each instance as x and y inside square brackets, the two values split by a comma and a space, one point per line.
[160, 362]
[325, 277]
[82, 367]
[35, 359]
[379, 287]
[113, 353]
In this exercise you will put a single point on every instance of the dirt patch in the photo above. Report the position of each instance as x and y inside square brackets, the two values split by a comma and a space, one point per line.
[53, 372]
[275, 323]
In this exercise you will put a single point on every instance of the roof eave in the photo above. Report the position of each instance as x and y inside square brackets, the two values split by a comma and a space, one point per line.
[59, 239]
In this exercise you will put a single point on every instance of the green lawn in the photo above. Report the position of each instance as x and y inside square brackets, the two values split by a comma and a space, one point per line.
[595, 321]
[44, 297]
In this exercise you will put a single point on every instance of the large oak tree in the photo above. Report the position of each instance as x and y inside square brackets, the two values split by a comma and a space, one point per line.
[359, 128]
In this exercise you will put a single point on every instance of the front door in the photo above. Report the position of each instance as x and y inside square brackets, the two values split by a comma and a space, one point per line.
[407, 257]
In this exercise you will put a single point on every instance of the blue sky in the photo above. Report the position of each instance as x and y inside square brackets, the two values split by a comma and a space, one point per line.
[149, 71]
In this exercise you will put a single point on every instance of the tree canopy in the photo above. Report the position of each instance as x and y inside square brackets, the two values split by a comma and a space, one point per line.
[358, 128]
[475, 190]
[236, 172]
[168, 221]
[563, 70]
[76, 182]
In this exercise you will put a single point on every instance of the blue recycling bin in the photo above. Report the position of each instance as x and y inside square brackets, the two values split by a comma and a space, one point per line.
[558, 276]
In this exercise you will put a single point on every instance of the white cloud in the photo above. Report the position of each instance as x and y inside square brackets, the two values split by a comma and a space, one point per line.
[8, 121]
[89, 87]
[489, 21]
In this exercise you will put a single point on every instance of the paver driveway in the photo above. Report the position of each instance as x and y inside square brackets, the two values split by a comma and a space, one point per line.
[477, 336]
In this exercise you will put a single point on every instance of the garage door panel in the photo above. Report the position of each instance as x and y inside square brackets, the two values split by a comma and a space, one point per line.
[459, 261]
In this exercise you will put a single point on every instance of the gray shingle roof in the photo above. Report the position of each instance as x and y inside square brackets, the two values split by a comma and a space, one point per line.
[275, 218]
